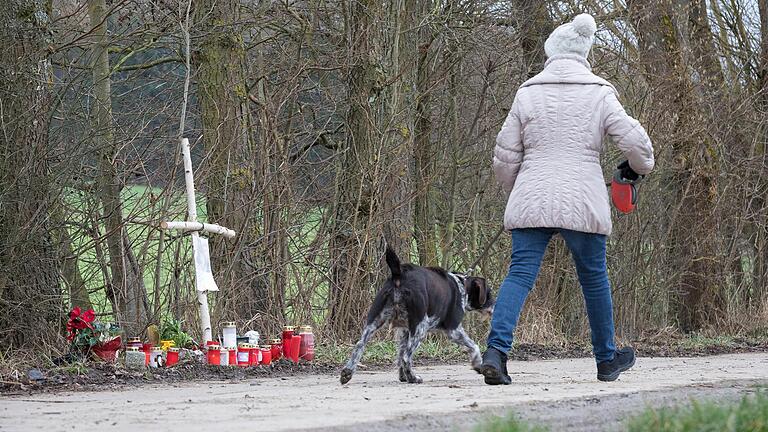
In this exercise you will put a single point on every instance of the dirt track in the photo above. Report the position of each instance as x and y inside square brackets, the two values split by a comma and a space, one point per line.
[563, 393]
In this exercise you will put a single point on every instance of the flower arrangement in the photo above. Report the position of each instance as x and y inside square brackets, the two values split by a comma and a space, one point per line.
[86, 334]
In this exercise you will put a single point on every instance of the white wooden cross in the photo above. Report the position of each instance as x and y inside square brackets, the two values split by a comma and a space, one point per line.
[203, 276]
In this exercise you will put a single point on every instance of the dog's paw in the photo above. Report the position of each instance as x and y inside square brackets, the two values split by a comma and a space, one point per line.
[415, 379]
[346, 375]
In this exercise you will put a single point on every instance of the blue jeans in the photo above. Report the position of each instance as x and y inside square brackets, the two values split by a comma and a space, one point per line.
[588, 252]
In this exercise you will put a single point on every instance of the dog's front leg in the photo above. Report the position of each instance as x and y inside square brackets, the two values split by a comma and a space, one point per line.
[357, 352]
[460, 337]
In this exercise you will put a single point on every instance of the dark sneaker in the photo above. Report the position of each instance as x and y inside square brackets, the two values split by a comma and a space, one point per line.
[494, 367]
[622, 361]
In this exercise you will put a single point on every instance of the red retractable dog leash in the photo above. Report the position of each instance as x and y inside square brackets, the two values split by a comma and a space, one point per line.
[624, 192]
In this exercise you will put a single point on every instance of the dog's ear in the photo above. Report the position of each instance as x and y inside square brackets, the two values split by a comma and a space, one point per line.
[481, 292]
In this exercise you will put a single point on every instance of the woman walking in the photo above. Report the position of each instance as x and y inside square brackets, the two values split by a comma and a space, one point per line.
[547, 156]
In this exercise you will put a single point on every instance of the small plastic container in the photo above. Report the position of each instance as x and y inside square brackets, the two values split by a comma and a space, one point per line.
[214, 355]
[244, 355]
[307, 345]
[232, 353]
[277, 349]
[135, 358]
[253, 337]
[223, 357]
[253, 355]
[134, 342]
[172, 357]
[266, 355]
[156, 359]
[147, 348]
[229, 334]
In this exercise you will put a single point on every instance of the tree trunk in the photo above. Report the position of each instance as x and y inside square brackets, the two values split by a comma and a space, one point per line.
[695, 257]
[761, 287]
[534, 26]
[398, 113]
[353, 243]
[373, 184]
[126, 289]
[277, 199]
[447, 215]
[30, 294]
[230, 181]
[424, 154]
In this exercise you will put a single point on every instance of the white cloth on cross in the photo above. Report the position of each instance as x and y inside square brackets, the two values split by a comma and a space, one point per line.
[204, 275]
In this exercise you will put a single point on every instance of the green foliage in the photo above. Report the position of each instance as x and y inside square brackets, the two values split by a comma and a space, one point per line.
[77, 368]
[99, 333]
[510, 423]
[171, 330]
[748, 415]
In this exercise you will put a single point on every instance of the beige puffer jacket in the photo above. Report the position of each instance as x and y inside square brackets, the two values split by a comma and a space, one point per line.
[548, 151]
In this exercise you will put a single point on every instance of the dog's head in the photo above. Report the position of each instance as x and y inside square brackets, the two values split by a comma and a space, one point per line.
[479, 296]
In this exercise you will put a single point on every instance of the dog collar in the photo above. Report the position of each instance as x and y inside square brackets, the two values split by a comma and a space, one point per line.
[459, 279]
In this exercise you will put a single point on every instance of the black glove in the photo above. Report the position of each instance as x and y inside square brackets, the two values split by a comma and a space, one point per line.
[627, 172]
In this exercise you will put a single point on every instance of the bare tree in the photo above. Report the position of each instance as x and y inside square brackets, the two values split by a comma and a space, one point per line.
[30, 292]
[126, 288]
[230, 181]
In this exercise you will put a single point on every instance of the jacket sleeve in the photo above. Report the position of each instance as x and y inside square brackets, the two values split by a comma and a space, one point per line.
[508, 153]
[628, 134]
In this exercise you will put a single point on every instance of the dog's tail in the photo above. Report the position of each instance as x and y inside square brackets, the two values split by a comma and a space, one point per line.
[394, 265]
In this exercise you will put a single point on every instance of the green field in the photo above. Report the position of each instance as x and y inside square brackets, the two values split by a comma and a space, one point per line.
[140, 203]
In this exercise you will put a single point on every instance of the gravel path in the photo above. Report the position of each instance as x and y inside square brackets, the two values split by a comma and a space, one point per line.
[561, 393]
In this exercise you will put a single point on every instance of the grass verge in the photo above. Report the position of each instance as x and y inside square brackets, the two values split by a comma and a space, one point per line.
[510, 423]
[385, 351]
[748, 415]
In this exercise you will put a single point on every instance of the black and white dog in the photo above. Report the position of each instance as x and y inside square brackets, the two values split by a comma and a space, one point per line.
[416, 300]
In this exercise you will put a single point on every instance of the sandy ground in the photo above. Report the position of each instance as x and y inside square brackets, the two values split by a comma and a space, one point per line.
[562, 393]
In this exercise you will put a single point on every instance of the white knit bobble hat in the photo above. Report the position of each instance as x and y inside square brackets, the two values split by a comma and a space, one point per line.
[575, 37]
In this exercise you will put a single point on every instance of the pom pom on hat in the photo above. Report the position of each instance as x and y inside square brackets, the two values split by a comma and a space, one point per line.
[575, 37]
[584, 25]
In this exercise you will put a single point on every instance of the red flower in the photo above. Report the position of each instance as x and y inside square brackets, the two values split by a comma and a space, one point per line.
[89, 316]
[74, 313]
[80, 324]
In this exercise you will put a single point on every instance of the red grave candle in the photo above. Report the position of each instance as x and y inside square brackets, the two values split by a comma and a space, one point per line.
[214, 355]
[266, 355]
[172, 357]
[243, 355]
[253, 355]
[277, 349]
[307, 346]
[295, 347]
[232, 356]
[287, 335]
